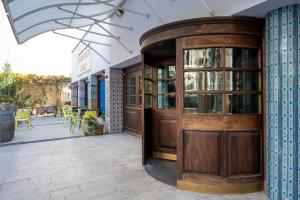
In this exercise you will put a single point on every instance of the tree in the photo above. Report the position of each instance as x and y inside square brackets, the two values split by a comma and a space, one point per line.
[7, 82]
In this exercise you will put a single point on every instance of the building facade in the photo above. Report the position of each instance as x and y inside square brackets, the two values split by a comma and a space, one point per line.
[213, 87]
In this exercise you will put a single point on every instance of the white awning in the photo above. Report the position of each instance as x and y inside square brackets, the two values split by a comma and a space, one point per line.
[29, 18]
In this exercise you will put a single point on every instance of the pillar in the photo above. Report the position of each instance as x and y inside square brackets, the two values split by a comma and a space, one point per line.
[114, 100]
[74, 94]
[92, 92]
[283, 103]
[81, 93]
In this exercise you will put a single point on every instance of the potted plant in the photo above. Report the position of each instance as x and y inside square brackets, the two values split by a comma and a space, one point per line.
[100, 126]
[7, 93]
[90, 126]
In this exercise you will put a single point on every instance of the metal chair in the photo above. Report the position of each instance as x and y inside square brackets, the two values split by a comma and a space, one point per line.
[75, 120]
[23, 116]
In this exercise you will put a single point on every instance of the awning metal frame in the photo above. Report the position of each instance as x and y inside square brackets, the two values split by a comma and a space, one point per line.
[96, 20]
[80, 39]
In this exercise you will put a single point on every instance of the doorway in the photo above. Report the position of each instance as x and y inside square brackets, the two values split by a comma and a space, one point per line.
[101, 96]
[133, 100]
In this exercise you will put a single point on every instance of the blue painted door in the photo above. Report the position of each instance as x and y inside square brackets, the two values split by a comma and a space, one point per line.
[102, 97]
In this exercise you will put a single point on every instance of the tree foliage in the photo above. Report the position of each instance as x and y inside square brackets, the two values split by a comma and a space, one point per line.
[7, 82]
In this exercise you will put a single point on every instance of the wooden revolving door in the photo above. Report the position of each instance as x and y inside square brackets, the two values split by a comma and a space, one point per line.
[162, 86]
[218, 112]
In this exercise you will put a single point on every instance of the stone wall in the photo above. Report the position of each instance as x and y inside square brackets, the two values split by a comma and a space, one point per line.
[51, 93]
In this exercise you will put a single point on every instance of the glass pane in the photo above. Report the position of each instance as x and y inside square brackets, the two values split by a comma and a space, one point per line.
[205, 81]
[241, 57]
[242, 104]
[241, 81]
[202, 58]
[128, 100]
[166, 72]
[128, 90]
[148, 86]
[140, 100]
[148, 72]
[165, 86]
[140, 85]
[148, 100]
[166, 101]
[203, 103]
[128, 81]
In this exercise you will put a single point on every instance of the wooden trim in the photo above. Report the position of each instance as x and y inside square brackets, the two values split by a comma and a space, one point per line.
[166, 156]
[133, 133]
[206, 25]
[239, 188]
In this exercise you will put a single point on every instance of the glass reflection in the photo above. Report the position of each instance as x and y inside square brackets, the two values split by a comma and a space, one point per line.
[202, 58]
[148, 86]
[242, 104]
[148, 100]
[166, 72]
[241, 81]
[205, 81]
[148, 72]
[166, 101]
[164, 86]
[211, 103]
[241, 57]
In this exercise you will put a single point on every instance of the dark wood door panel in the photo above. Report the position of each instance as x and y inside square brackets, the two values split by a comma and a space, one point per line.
[131, 121]
[202, 152]
[222, 122]
[167, 133]
[244, 156]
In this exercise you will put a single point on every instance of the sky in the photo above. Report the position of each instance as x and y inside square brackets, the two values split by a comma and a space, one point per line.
[46, 54]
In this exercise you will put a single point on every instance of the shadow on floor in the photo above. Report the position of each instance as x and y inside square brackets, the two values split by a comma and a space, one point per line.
[162, 170]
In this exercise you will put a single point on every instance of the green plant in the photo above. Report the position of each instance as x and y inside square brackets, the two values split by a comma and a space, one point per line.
[103, 116]
[90, 126]
[7, 82]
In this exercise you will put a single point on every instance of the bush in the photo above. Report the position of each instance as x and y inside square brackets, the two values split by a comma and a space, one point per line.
[90, 126]
[7, 83]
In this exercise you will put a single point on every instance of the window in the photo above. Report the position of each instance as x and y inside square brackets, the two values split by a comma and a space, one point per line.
[166, 87]
[131, 91]
[221, 80]
[148, 86]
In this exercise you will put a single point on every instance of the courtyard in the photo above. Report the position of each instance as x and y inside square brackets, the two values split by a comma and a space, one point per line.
[97, 167]
[44, 128]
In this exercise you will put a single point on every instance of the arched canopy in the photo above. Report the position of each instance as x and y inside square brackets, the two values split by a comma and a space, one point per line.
[30, 18]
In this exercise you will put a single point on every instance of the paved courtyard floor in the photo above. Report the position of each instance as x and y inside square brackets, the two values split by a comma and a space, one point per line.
[44, 128]
[101, 167]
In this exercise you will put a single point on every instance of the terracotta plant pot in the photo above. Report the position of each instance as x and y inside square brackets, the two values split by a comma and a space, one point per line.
[99, 129]
[4, 106]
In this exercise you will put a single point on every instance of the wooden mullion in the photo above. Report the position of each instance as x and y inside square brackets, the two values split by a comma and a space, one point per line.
[242, 93]
[243, 69]
[202, 69]
[203, 92]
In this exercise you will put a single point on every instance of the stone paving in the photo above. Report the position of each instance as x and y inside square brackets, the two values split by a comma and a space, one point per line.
[44, 128]
[101, 167]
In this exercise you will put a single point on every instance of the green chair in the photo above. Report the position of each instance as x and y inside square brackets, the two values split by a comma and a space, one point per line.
[59, 113]
[23, 116]
[66, 115]
[75, 120]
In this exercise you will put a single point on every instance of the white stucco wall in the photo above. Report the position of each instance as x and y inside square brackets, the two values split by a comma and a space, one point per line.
[161, 12]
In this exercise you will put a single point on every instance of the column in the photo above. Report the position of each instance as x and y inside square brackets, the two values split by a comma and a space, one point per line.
[92, 92]
[283, 103]
[114, 100]
[74, 94]
[81, 93]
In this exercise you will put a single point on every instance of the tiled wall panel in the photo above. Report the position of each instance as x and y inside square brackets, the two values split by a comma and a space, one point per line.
[283, 103]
